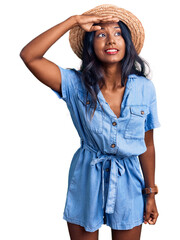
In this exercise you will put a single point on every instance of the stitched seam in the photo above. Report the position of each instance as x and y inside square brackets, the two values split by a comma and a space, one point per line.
[125, 224]
[82, 223]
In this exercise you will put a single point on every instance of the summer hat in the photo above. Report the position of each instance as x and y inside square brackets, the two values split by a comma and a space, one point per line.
[76, 34]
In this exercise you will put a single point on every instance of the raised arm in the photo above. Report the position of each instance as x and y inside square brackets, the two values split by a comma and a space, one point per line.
[32, 54]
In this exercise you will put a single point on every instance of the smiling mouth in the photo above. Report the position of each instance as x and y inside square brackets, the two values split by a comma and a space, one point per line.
[111, 51]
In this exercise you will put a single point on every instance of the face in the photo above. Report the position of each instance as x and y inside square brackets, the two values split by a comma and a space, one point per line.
[105, 40]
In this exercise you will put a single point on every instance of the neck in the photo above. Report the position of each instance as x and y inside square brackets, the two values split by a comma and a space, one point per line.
[112, 76]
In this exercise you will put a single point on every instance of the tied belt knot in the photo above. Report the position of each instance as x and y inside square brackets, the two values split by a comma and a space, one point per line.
[116, 169]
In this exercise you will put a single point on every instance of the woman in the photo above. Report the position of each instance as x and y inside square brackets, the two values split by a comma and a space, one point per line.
[114, 109]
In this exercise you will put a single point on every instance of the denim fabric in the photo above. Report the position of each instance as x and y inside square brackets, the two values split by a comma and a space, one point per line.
[105, 179]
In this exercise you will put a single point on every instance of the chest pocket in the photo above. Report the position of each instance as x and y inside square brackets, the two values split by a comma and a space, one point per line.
[135, 127]
[96, 123]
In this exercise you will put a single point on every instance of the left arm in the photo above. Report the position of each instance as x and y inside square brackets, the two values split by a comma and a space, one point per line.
[147, 162]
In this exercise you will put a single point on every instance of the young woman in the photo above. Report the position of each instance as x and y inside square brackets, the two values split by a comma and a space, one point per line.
[114, 109]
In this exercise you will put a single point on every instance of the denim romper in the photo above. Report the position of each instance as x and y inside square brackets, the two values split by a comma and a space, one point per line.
[105, 179]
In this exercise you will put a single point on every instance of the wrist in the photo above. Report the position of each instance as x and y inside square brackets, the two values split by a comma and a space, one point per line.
[150, 196]
[74, 20]
[150, 190]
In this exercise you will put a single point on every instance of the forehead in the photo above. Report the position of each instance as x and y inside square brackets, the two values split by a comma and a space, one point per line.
[109, 25]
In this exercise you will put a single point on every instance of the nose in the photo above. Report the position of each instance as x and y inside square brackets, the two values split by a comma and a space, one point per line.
[110, 39]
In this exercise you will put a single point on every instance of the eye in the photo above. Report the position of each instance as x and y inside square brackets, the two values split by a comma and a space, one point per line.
[100, 34]
[119, 33]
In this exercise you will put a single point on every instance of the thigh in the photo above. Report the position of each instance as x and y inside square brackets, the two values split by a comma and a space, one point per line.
[132, 234]
[78, 232]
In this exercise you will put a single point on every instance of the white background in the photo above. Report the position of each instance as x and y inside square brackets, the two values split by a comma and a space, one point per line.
[38, 138]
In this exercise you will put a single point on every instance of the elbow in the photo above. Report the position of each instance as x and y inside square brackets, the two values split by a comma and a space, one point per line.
[23, 56]
[22, 53]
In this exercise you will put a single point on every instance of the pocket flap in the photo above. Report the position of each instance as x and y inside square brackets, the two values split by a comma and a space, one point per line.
[88, 101]
[141, 110]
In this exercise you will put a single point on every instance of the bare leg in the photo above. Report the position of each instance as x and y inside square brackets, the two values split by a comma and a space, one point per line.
[77, 232]
[132, 234]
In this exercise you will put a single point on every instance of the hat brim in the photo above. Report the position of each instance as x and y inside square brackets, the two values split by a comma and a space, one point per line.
[76, 34]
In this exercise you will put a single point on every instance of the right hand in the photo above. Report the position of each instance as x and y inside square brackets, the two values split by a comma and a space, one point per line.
[86, 21]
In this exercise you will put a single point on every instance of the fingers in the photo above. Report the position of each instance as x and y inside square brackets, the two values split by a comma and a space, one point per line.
[103, 20]
[146, 217]
[150, 218]
[86, 21]
[95, 28]
[107, 19]
[153, 218]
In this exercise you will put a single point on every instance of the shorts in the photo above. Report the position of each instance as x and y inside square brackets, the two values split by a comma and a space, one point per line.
[129, 206]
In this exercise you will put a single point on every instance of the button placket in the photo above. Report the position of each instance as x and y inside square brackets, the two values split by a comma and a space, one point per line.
[114, 123]
[113, 136]
[113, 145]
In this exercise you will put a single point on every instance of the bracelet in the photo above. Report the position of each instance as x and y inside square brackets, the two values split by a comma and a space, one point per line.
[150, 190]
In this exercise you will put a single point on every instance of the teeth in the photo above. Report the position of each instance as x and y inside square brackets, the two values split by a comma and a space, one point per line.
[113, 50]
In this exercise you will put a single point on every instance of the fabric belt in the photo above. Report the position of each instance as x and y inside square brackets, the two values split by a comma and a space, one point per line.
[115, 170]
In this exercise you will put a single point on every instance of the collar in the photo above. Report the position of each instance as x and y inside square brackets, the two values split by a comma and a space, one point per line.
[129, 83]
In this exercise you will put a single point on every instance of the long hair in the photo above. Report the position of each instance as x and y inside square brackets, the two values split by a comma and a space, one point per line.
[91, 68]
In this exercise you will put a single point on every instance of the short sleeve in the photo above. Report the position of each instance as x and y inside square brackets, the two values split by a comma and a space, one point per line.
[68, 84]
[152, 120]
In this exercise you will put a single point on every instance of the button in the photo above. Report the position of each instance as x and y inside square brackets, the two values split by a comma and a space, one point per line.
[114, 123]
[113, 145]
[88, 102]
[142, 112]
[107, 169]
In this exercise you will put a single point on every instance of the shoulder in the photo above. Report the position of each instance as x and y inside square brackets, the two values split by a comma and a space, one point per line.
[145, 86]
[71, 75]
[69, 72]
[143, 82]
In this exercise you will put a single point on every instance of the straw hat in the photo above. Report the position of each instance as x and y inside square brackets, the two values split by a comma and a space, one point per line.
[76, 34]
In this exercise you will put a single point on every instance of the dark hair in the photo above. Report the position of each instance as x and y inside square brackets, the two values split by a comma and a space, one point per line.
[91, 65]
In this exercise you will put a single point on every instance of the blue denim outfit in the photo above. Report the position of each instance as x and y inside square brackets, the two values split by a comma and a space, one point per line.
[105, 179]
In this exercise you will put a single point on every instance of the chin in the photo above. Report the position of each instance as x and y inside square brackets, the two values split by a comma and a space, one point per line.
[111, 61]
